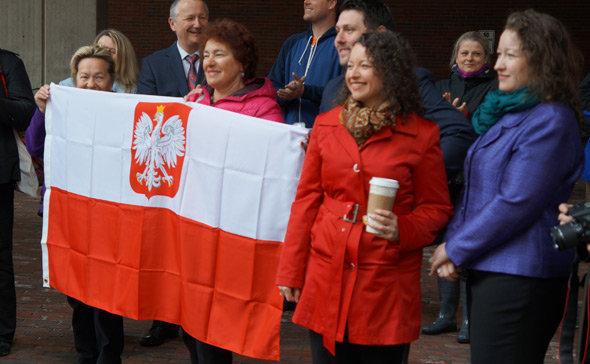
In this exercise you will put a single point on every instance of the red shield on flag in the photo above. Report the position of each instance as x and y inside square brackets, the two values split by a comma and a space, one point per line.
[158, 148]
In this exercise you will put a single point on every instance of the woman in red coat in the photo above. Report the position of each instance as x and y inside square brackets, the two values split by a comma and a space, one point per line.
[358, 292]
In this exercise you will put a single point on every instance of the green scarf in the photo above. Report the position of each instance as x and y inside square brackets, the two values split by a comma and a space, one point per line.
[497, 103]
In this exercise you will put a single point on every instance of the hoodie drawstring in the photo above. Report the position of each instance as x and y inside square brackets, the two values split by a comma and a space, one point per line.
[309, 60]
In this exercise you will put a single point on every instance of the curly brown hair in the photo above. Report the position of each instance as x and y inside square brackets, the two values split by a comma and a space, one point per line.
[239, 39]
[394, 62]
[555, 63]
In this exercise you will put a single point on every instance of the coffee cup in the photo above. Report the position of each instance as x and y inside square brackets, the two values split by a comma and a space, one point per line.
[381, 196]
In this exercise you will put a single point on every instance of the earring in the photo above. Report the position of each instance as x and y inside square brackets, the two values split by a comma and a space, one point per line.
[242, 74]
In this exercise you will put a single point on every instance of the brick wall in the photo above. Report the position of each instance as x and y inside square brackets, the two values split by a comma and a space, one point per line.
[431, 26]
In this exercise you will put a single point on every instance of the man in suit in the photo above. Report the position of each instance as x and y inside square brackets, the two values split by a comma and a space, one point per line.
[175, 71]
[168, 71]
[16, 109]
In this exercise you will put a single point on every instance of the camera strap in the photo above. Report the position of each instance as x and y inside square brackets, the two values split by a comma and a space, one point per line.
[568, 327]
[583, 332]
[3, 80]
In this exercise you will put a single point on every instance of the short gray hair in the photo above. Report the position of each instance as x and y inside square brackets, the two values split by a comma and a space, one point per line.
[174, 8]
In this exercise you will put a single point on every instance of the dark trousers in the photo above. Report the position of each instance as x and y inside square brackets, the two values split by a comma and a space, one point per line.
[166, 325]
[513, 318]
[7, 289]
[98, 334]
[347, 353]
[203, 353]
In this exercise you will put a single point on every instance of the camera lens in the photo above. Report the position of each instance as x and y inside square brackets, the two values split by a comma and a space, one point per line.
[556, 237]
[565, 236]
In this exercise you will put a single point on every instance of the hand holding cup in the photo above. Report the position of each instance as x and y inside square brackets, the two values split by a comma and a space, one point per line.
[385, 223]
[381, 220]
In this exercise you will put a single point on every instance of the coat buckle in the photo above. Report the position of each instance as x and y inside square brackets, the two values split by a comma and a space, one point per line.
[355, 209]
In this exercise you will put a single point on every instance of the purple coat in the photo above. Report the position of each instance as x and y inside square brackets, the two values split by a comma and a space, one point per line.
[35, 141]
[516, 175]
[35, 135]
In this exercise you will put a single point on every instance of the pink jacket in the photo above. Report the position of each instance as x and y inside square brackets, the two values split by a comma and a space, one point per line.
[258, 98]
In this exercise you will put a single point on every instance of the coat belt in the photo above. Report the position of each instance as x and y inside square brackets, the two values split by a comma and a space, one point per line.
[350, 211]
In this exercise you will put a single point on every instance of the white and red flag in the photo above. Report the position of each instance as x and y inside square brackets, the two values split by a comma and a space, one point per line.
[160, 209]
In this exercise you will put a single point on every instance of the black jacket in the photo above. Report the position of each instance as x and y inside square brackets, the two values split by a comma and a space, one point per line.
[585, 93]
[471, 90]
[16, 111]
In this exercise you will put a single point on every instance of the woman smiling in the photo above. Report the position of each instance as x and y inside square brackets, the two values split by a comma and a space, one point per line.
[524, 163]
[230, 58]
[359, 293]
[471, 77]
[98, 334]
[126, 70]
[470, 80]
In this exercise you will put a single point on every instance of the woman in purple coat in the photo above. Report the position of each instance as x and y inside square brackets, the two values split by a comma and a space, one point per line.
[98, 334]
[524, 163]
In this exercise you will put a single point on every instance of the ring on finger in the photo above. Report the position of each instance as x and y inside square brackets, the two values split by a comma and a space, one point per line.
[438, 270]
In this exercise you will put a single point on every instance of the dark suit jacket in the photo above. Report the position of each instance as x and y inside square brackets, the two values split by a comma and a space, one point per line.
[162, 74]
[16, 110]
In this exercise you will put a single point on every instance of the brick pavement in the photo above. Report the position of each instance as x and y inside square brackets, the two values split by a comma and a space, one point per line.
[44, 332]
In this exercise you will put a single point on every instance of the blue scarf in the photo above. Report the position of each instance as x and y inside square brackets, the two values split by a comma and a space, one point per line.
[497, 103]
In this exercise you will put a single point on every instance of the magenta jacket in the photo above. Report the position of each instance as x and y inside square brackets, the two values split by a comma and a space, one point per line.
[257, 98]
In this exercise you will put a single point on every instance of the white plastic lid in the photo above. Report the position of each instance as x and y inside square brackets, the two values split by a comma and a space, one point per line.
[384, 182]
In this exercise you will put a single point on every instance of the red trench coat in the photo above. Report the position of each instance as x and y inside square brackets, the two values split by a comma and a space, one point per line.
[349, 277]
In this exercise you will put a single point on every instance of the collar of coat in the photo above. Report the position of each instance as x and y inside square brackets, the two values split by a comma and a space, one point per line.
[340, 132]
[409, 127]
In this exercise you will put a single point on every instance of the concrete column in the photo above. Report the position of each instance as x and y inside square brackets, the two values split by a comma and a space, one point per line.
[46, 33]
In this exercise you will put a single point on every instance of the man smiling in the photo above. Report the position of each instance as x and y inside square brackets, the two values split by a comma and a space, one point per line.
[176, 70]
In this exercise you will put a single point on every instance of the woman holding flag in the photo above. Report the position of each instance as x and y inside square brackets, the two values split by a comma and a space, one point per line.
[98, 334]
[230, 58]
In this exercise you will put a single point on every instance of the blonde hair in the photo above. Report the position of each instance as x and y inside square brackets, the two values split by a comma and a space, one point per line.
[93, 51]
[474, 37]
[126, 68]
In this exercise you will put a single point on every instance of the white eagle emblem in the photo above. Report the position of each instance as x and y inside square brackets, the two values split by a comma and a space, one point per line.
[156, 145]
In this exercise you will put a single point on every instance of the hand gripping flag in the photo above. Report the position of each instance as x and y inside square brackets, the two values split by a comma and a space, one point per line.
[160, 209]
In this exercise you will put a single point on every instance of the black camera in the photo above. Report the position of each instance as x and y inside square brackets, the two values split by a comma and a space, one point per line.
[573, 233]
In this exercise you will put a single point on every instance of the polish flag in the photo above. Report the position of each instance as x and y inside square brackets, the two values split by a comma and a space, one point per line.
[160, 209]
